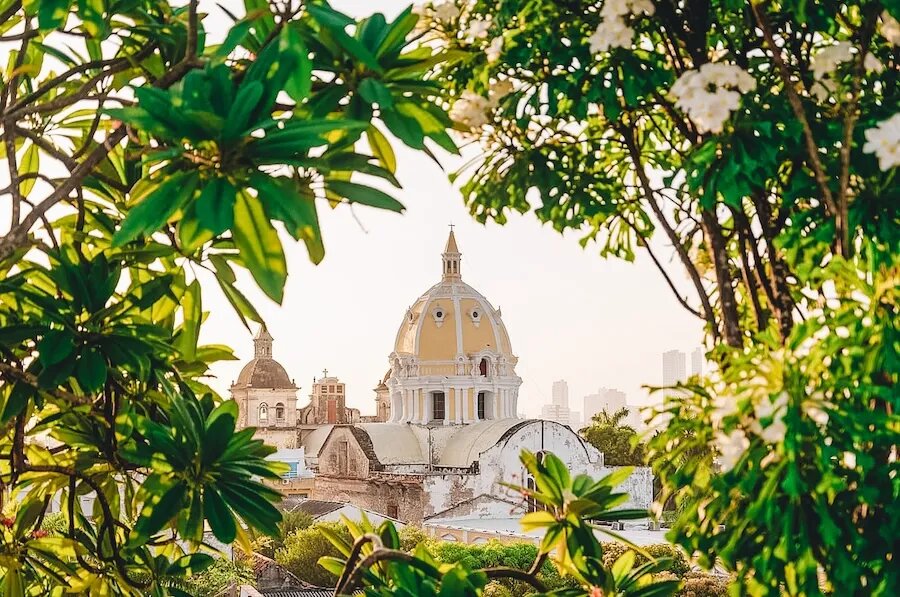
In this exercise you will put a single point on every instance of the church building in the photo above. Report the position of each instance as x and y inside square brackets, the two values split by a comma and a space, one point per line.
[450, 434]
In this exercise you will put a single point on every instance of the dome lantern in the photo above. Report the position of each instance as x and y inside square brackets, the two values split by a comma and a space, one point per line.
[451, 258]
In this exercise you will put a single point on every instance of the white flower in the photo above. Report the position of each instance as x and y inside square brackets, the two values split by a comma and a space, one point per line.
[819, 416]
[890, 28]
[446, 11]
[478, 28]
[711, 93]
[731, 447]
[774, 429]
[470, 109]
[494, 49]
[827, 59]
[621, 8]
[848, 459]
[611, 33]
[884, 141]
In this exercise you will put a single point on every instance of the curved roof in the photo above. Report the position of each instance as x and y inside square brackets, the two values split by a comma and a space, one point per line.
[394, 443]
[264, 372]
[451, 318]
[467, 444]
[315, 439]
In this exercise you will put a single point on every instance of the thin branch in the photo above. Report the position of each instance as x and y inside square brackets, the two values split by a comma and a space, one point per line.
[31, 379]
[192, 29]
[797, 107]
[382, 555]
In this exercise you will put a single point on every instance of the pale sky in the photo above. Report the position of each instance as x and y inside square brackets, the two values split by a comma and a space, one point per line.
[570, 314]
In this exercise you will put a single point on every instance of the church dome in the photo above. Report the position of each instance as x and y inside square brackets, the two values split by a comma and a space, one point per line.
[452, 319]
[264, 371]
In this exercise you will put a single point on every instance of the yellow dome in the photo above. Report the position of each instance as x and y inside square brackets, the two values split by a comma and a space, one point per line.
[452, 319]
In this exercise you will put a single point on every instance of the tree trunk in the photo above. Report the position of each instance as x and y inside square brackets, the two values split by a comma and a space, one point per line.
[731, 326]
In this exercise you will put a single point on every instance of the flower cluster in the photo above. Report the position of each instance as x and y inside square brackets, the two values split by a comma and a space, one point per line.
[890, 28]
[710, 94]
[472, 110]
[884, 141]
[826, 62]
[614, 30]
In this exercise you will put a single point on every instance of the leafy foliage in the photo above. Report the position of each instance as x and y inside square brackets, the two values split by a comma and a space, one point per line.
[753, 136]
[141, 158]
[619, 443]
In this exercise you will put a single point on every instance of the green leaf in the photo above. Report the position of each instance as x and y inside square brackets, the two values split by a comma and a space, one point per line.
[382, 149]
[191, 309]
[155, 513]
[283, 201]
[245, 103]
[30, 164]
[357, 193]
[404, 128]
[55, 346]
[374, 92]
[215, 205]
[53, 13]
[259, 245]
[154, 209]
[219, 516]
[395, 38]
[333, 21]
[299, 83]
[91, 370]
[243, 307]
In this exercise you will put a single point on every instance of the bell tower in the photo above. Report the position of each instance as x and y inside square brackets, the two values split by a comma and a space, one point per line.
[451, 258]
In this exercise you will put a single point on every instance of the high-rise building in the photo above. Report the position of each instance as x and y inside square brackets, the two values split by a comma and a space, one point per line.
[556, 412]
[575, 421]
[674, 367]
[608, 399]
[561, 393]
[697, 361]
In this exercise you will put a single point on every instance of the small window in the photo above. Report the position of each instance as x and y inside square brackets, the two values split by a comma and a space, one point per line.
[439, 411]
[439, 314]
[483, 367]
[481, 401]
[263, 414]
[279, 412]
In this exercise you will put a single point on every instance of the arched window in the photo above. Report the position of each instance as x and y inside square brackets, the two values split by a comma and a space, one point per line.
[481, 405]
[438, 406]
[263, 414]
[483, 367]
[531, 504]
[279, 412]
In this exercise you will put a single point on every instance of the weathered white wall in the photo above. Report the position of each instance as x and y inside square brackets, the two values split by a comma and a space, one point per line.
[501, 464]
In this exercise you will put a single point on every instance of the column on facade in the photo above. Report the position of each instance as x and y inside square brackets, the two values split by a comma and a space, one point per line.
[426, 406]
[447, 416]
[458, 406]
[414, 412]
[497, 406]
[506, 404]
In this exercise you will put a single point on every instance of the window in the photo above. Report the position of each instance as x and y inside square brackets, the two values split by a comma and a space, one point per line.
[263, 413]
[531, 504]
[392, 510]
[481, 400]
[483, 367]
[331, 389]
[438, 405]
[340, 389]
[279, 412]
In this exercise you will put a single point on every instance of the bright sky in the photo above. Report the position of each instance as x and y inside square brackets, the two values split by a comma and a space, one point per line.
[570, 314]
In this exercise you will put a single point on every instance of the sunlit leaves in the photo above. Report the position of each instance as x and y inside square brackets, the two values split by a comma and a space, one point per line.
[260, 248]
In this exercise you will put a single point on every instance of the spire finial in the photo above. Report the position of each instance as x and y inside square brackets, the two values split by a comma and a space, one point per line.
[262, 343]
[451, 257]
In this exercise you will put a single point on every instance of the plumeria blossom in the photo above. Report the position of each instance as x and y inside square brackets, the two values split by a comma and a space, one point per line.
[478, 28]
[884, 141]
[614, 31]
[711, 93]
[470, 109]
[827, 61]
[731, 447]
[771, 410]
[890, 28]
[473, 110]
[445, 11]
[494, 49]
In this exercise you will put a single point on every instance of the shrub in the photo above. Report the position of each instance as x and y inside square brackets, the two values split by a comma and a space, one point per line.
[303, 548]
[496, 589]
[410, 536]
[292, 522]
[697, 584]
[678, 565]
[218, 577]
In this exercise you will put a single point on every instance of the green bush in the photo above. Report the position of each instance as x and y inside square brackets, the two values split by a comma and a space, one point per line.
[219, 577]
[698, 584]
[292, 522]
[496, 589]
[410, 536]
[303, 548]
[678, 566]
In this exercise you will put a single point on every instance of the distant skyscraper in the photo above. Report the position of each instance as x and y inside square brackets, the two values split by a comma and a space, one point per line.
[605, 398]
[556, 412]
[674, 367]
[561, 393]
[697, 362]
